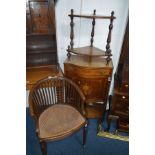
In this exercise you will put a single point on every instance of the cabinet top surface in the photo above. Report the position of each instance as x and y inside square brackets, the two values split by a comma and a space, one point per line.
[92, 16]
[34, 74]
[90, 62]
[88, 51]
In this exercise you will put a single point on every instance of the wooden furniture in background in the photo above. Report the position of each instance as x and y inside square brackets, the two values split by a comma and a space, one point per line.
[57, 106]
[120, 99]
[34, 74]
[41, 47]
[91, 68]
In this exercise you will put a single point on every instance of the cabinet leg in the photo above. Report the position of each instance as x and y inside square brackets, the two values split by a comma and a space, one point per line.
[101, 120]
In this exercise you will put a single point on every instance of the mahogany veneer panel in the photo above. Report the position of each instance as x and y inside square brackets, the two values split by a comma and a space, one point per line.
[120, 99]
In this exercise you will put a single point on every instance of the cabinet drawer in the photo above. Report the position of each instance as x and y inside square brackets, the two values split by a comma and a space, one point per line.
[120, 105]
[88, 72]
[125, 87]
[123, 126]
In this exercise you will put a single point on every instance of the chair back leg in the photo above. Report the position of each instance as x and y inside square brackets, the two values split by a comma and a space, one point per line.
[43, 147]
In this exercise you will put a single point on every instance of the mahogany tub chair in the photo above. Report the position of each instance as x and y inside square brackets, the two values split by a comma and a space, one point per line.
[57, 106]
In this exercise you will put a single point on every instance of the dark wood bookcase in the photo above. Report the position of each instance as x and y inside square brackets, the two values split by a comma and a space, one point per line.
[41, 46]
[120, 100]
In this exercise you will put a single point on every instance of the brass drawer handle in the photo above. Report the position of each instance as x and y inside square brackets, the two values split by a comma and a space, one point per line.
[126, 85]
[79, 82]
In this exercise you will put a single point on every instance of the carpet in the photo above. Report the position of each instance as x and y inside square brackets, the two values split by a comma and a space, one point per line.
[72, 145]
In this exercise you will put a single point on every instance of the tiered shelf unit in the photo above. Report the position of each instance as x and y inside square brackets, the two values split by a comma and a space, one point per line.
[91, 51]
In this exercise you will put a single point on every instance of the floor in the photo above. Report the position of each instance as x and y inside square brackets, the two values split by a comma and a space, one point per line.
[72, 145]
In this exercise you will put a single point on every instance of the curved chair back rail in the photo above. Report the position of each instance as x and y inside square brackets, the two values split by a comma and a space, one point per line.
[55, 90]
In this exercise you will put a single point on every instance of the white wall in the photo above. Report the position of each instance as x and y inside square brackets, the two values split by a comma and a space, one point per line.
[27, 98]
[83, 27]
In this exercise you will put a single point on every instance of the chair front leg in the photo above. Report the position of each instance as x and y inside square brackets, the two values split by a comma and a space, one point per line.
[84, 134]
[43, 147]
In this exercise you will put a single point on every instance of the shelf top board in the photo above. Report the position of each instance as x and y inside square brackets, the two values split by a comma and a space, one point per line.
[89, 51]
[92, 16]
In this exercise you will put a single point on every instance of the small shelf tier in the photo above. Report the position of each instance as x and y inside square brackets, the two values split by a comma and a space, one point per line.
[92, 16]
[89, 51]
[86, 62]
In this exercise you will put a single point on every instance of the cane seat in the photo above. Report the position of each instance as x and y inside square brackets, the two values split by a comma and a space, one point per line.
[59, 121]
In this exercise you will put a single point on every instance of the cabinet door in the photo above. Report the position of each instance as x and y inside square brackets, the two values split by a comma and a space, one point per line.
[95, 89]
[40, 17]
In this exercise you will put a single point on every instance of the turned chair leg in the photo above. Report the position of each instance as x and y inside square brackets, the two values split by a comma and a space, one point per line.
[84, 134]
[43, 147]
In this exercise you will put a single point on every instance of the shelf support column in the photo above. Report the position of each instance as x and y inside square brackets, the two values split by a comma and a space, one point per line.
[108, 50]
[72, 30]
[70, 47]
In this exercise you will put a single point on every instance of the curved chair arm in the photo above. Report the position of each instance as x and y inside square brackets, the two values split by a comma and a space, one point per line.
[31, 104]
[55, 90]
[81, 95]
